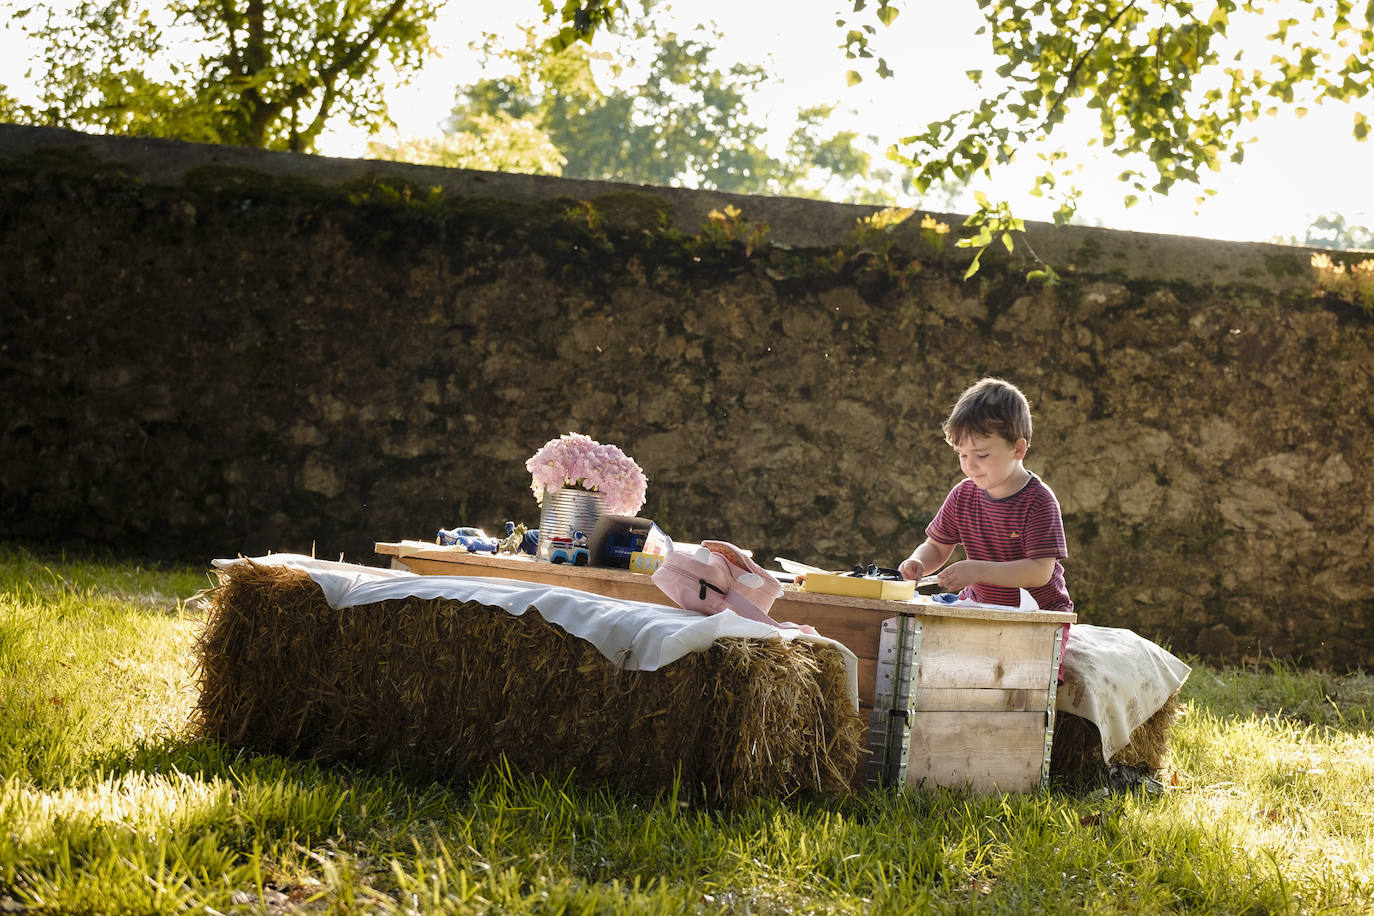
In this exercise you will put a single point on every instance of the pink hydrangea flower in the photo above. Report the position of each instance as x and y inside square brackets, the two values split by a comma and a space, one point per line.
[578, 462]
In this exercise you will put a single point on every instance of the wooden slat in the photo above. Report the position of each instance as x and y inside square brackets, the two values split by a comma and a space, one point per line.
[859, 629]
[980, 699]
[990, 751]
[633, 587]
[983, 653]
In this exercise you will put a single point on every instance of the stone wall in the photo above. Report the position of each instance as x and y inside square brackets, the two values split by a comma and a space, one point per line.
[207, 350]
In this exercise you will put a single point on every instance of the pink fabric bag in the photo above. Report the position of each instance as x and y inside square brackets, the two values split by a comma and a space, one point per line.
[694, 578]
[749, 595]
[715, 576]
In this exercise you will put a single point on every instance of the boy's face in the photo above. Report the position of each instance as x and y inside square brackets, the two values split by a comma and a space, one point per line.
[992, 463]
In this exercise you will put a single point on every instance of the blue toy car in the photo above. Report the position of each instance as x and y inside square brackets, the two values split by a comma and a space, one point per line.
[620, 546]
[474, 539]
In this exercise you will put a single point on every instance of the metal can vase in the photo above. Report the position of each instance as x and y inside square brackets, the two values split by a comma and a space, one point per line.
[562, 516]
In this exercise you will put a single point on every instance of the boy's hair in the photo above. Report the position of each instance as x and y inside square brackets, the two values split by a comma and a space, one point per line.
[989, 407]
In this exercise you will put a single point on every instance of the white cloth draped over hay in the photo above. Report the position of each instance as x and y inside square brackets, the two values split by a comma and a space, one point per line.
[1116, 679]
[636, 635]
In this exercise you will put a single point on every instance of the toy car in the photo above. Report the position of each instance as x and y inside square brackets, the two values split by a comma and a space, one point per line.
[620, 546]
[474, 539]
[570, 550]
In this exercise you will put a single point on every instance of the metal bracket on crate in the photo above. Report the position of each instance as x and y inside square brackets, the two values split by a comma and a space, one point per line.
[889, 735]
[1055, 656]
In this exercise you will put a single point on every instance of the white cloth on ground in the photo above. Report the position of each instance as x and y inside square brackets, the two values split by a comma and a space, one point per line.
[1116, 679]
[636, 635]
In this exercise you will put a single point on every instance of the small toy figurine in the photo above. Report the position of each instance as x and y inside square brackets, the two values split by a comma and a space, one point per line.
[520, 539]
[513, 542]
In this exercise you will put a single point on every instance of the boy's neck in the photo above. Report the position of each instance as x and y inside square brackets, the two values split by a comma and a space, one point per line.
[1014, 484]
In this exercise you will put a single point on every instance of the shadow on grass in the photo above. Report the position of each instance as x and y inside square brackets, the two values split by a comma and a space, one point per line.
[209, 759]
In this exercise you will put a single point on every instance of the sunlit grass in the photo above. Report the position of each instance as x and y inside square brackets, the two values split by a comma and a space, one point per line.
[92, 658]
[1283, 761]
[109, 805]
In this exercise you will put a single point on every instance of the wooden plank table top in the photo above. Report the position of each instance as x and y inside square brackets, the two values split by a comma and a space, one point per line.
[429, 559]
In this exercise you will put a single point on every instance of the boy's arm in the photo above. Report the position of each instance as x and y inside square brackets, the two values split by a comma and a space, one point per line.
[1030, 573]
[925, 559]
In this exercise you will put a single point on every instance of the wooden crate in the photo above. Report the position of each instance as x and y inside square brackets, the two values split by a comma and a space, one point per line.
[954, 696]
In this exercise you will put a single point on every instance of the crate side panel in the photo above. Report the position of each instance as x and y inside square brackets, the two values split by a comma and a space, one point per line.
[989, 751]
[985, 654]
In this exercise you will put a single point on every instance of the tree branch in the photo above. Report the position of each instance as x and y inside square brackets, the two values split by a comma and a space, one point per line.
[355, 53]
[260, 112]
[327, 77]
[255, 51]
[1078, 64]
[321, 114]
[231, 21]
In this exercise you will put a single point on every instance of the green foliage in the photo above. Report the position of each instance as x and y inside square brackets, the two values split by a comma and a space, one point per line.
[495, 142]
[10, 109]
[1334, 232]
[858, 37]
[1161, 76]
[1350, 280]
[1172, 84]
[876, 231]
[878, 253]
[660, 111]
[580, 19]
[726, 230]
[995, 223]
[268, 73]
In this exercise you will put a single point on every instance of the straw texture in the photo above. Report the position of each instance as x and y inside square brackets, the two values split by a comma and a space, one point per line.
[450, 688]
[1076, 756]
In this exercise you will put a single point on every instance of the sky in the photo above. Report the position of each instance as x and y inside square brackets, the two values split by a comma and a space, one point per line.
[1297, 170]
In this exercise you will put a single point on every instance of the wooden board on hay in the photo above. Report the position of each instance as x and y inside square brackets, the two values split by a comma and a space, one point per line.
[450, 687]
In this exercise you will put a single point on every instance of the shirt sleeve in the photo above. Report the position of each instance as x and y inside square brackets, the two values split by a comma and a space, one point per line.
[944, 527]
[1044, 536]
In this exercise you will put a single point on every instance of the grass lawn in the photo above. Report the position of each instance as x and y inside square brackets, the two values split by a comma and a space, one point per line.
[108, 804]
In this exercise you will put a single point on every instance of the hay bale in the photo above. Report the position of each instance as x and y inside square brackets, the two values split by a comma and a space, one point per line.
[1076, 754]
[450, 687]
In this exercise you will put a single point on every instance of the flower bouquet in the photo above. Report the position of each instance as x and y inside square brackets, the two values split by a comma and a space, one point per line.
[577, 462]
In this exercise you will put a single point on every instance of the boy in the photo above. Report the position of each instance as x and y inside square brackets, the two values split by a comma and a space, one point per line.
[1005, 516]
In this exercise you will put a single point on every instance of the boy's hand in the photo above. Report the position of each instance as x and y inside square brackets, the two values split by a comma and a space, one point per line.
[958, 576]
[910, 568]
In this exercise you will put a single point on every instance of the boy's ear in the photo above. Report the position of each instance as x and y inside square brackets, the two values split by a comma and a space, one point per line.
[1019, 449]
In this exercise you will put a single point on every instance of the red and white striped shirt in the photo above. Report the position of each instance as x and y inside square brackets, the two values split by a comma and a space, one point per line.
[1024, 526]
